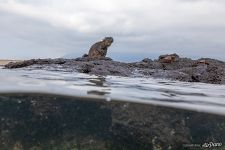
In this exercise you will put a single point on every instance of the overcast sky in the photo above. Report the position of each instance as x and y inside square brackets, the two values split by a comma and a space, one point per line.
[141, 28]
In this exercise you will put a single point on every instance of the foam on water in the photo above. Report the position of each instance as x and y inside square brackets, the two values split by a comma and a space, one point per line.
[182, 95]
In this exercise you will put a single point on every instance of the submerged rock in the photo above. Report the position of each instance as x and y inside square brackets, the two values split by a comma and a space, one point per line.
[51, 122]
[183, 69]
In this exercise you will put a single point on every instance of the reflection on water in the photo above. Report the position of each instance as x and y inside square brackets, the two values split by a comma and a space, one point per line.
[99, 82]
[40, 121]
[99, 93]
[63, 110]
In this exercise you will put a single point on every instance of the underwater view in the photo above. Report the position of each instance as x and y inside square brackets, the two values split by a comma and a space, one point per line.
[59, 110]
[112, 75]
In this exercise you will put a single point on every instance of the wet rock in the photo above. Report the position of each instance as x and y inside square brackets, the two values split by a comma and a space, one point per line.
[27, 63]
[182, 69]
[86, 68]
[20, 64]
[147, 60]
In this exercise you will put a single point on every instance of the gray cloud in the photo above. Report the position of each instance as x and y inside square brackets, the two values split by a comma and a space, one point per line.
[52, 28]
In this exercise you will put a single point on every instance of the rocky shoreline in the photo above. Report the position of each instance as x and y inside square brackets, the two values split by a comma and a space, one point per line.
[203, 70]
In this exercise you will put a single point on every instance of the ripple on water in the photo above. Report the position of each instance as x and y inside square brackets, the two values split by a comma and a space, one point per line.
[193, 96]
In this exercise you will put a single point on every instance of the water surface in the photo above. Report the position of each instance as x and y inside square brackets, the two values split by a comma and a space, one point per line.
[42, 109]
[200, 97]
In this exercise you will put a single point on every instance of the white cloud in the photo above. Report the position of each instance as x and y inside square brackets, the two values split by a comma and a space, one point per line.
[139, 26]
[121, 16]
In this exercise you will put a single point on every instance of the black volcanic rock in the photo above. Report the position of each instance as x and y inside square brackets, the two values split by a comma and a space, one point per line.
[27, 63]
[182, 69]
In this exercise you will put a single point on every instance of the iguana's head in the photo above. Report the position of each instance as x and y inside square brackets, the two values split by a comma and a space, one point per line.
[108, 41]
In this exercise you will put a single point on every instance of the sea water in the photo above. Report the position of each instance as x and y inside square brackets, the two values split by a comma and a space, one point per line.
[49, 109]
